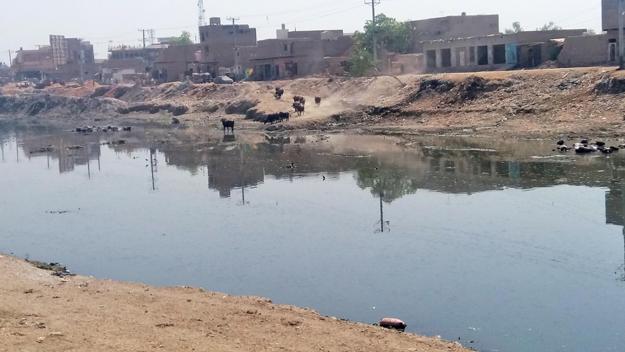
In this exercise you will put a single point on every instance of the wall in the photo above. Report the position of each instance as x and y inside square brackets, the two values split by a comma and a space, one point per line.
[72, 71]
[337, 47]
[452, 27]
[318, 35]
[408, 63]
[585, 51]
[609, 14]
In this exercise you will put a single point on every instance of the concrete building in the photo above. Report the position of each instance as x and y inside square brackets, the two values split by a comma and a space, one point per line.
[304, 54]
[33, 63]
[452, 27]
[68, 51]
[495, 52]
[176, 62]
[218, 44]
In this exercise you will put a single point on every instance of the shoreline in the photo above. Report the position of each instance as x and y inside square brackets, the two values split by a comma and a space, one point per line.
[79, 313]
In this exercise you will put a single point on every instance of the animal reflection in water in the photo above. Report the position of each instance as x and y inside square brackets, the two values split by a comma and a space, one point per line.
[229, 138]
[584, 147]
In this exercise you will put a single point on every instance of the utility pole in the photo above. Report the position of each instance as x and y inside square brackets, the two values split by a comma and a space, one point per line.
[143, 32]
[236, 48]
[375, 39]
[621, 39]
[10, 67]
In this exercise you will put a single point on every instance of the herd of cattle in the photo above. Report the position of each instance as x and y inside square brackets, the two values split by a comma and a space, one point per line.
[299, 106]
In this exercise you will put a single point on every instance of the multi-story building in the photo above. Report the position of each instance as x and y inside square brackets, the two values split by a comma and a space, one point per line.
[33, 63]
[67, 51]
[219, 42]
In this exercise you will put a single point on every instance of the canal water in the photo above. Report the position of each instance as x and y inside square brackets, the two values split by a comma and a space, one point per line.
[499, 245]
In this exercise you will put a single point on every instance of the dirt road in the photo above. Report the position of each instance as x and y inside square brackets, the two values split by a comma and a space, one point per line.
[41, 312]
[577, 102]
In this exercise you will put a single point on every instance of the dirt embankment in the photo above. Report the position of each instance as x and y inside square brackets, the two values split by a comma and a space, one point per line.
[578, 102]
[41, 312]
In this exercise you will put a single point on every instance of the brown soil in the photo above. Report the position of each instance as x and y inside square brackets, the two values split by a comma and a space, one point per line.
[41, 312]
[534, 103]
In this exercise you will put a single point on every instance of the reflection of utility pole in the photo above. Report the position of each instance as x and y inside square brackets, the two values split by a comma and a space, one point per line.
[243, 175]
[99, 162]
[382, 223]
[152, 166]
[88, 167]
[621, 38]
[381, 213]
[374, 34]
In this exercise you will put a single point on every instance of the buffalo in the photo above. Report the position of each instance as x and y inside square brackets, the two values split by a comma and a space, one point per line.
[228, 125]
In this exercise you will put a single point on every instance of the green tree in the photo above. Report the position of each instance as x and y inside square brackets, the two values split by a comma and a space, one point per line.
[391, 35]
[590, 32]
[549, 27]
[183, 39]
[516, 28]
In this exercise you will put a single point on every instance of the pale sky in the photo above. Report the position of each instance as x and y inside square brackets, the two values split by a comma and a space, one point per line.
[27, 23]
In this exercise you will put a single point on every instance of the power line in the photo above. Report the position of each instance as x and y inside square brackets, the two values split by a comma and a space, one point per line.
[304, 19]
[297, 10]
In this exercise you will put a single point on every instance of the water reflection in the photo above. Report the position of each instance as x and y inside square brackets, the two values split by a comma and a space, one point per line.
[465, 233]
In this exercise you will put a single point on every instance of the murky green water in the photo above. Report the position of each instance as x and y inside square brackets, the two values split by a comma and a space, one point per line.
[500, 245]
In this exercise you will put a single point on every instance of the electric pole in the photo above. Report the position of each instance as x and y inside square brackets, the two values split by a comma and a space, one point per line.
[621, 39]
[374, 35]
[143, 32]
[236, 49]
[10, 66]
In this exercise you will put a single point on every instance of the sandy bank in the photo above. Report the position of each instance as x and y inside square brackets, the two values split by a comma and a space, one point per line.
[535, 103]
[41, 312]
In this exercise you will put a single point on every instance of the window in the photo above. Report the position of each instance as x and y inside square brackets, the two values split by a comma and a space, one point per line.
[202, 36]
[206, 49]
[286, 47]
[472, 55]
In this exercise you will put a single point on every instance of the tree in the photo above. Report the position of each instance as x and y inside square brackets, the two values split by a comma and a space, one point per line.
[391, 35]
[183, 39]
[549, 27]
[516, 28]
[590, 32]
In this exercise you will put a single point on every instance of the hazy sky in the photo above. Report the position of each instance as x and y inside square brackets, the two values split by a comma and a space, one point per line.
[27, 23]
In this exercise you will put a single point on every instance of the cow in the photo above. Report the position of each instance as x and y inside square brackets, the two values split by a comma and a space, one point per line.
[318, 101]
[279, 93]
[299, 108]
[284, 116]
[271, 118]
[228, 125]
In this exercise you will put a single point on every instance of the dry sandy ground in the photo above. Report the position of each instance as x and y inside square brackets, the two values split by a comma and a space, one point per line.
[41, 312]
[533, 103]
